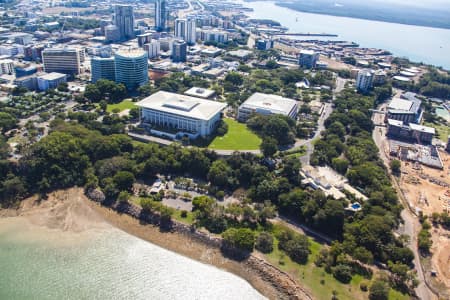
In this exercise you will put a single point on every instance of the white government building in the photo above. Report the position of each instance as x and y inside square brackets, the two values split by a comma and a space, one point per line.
[267, 104]
[174, 115]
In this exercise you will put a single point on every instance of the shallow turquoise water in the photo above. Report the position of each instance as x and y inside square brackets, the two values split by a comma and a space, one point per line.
[38, 263]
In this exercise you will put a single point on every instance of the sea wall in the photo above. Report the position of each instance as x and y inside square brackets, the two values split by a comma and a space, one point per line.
[286, 286]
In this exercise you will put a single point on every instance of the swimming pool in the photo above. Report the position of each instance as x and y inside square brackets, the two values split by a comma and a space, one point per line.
[443, 113]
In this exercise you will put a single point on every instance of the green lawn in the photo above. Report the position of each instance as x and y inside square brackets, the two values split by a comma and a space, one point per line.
[442, 130]
[320, 283]
[125, 104]
[238, 137]
[311, 276]
[188, 220]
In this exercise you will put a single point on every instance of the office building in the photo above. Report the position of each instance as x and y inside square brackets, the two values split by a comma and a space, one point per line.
[41, 81]
[364, 80]
[166, 44]
[161, 14]
[186, 29]
[411, 132]
[34, 52]
[131, 68]
[62, 60]
[124, 20]
[263, 44]
[9, 50]
[50, 80]
[176, 115]
[179, 51]
[308, 59]
[191, 31]
[144, 38]
[266, 104]
[29, 82]
[112, 33]
[405, 110]
[6, 66]
[153, 48]
[379, 77]
[22, 38]
[180, 28]
[212, 35]
[102, 51]
[103, 68]
[24, 70]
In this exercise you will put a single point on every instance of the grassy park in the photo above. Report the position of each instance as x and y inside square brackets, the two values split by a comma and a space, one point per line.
[320, 283]
[125, 104]
[238, 137]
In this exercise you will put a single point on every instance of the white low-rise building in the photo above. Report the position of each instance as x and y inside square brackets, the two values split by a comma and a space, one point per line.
[180, 115]
[266, 104]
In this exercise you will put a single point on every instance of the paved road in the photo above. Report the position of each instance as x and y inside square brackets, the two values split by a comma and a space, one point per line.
[328, 109]
[411, 225]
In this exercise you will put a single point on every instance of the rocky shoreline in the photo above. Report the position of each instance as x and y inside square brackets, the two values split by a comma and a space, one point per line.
[268, 279]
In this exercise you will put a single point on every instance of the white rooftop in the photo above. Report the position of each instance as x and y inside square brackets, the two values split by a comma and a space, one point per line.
[133, 53]
[307, 52]
[422, 128]
[183, 105]
[400, 104]
[52, 76]
[199, 92]
[401, 78]
[395, 122]
[275, 103]
[240, 53]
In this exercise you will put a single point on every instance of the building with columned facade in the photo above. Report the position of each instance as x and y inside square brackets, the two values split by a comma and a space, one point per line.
[176, 115]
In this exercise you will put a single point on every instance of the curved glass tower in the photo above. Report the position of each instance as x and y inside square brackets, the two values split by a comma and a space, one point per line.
[131, 68]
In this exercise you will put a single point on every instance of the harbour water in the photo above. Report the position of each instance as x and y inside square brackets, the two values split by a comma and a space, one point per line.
[103, 263]
[419, 44]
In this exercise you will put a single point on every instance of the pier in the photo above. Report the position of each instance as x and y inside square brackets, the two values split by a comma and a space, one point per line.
[305, 34]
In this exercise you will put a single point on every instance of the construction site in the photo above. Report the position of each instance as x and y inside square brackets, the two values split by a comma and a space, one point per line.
[427, 155]
[427, 189]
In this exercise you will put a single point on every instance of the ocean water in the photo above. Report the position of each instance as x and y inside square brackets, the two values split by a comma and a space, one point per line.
[420, 44]
[39, 263]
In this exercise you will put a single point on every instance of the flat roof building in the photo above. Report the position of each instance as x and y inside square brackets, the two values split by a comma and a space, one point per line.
[410, 132]
[405, 110]
[176, 115]
[62, 60]
[103, 68]
[364, 80]
[50, 80]
[266, 104]
[200, 92]
[124, 20]
[131, 68]
[308, 59]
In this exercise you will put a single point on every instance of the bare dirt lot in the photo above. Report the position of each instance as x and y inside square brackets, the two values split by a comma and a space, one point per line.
[424, 190]
[440, 260]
